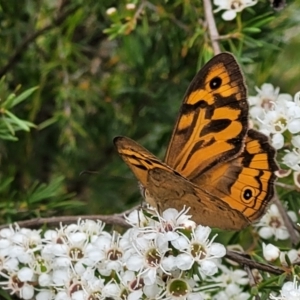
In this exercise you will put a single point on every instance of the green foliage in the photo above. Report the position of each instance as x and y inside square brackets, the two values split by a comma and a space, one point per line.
[9, 123]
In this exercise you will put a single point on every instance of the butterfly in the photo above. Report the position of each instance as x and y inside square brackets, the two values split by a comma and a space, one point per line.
[214, 164]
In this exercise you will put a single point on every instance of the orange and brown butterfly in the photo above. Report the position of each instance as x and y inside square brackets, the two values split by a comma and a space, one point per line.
[214, 163]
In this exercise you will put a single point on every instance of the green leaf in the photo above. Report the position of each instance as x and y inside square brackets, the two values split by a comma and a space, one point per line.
[8, 137]
[251, 30]
[8, 102]
[8, 125]
[41, 191]
[5, 183]
[22, 124]
[23, 96]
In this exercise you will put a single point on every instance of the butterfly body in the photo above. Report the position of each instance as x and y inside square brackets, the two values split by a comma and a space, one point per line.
[214, 163]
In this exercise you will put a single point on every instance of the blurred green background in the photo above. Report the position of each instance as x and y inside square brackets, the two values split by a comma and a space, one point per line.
[101, 75]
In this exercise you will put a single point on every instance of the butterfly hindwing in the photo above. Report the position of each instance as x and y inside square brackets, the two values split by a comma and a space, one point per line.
[245, 182]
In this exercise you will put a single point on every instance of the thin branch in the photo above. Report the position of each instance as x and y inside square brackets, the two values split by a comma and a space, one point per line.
[228, 36]
[212, 28]
[286, 186]
[242, 259]
[33, 36]
[287, 221]
[252, 282]
[116, 219]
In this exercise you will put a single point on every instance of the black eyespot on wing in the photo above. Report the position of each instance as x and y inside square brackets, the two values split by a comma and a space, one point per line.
[215, 83]
[247, 194]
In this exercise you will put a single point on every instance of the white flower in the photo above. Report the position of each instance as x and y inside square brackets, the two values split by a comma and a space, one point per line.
[270, 252]
[148, 257]
[275, 113]
[292, 255]
[239, 277]
[290, 291]
[130, 6]
[108, 252]
[111, 11]
[199, 250]
[272, 224]
[292, 159]
[232, 292]
[232, 7]
[263, 101]
[172, 220]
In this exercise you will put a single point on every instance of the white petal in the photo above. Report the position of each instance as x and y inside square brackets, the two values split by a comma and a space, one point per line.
[202, 233]
[78, 295]
[25, 274]
[62, 295]
[292, 215]
[254, 100]
[208, 267]
[256, 112]
[135, 295]
[294, 126]
[229, 15]
[60, 277]
[45, 280]
[44, 295]
[150, 276]
[217, 250]
[151, 291]
[134, 263]
[281, 234]
[78, 237]
[169, 263]
[194, 296]
[293, 255]
[181, 243]
[296, 141]
[184, 261]
[270, 252]
[265, 232]
[4, 243]
[277, 140]
[170, 214]
[27, 292]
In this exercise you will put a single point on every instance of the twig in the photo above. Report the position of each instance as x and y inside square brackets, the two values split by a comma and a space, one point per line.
[240, 258]
[252, 282]
[287, 221]
[29, 39]
[212, 28]
[286, 186]
[116, 219]
[228, 36]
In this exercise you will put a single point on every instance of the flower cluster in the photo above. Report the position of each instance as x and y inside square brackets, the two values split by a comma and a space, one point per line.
[278, 116]
[290, 291]
[159, 259]
[272, 225]
[232, 7]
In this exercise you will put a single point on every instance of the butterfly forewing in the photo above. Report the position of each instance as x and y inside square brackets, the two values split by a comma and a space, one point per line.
[213, 119]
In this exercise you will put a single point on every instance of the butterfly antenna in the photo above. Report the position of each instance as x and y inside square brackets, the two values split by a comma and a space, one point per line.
[88, 172]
